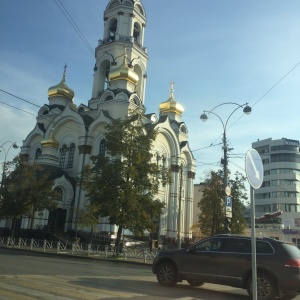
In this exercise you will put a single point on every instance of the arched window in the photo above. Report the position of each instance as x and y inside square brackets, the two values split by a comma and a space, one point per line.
[102, 147]
[112, 30]
[71, 156]
[38, 153]
[109, 97]
[140, 9]
[63, 154]
[136, 32]
[114, 4]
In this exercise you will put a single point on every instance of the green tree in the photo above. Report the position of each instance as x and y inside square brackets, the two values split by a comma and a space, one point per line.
[124, 184]
[239, 201]
[25, 189]
[212, 207]
[88, 217]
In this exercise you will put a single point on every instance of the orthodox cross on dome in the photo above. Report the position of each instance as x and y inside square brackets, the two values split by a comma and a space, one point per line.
[172, 90]
[64, 74]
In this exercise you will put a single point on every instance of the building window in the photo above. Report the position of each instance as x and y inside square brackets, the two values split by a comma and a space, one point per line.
[285, 148]
[285, 157]
[102, 148]
[265, 161]
[38, 153]
[63, 154]
[112, 30]
[136, 32]
[71, 156]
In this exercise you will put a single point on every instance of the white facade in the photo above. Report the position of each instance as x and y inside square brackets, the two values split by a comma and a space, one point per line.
[66, 136]
[281, 184]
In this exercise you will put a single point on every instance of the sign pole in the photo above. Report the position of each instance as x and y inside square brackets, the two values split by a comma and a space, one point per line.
[255, 175]
[253, 245]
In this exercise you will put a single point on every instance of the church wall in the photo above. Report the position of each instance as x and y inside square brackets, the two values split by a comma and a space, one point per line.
[111, 100]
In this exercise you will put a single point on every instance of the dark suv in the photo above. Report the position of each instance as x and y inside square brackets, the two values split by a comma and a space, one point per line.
[226, 259]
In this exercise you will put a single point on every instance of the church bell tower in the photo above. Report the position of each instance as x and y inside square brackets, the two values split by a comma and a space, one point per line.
[121, 58]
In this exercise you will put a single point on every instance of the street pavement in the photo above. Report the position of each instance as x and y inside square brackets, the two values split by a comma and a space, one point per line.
[29, 275]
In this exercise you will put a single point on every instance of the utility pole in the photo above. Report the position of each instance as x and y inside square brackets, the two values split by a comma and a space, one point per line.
[179, 211]
[204, 117]
[225, 159]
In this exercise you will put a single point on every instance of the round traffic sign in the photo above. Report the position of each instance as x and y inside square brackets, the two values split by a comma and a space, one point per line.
[228, 190]
[254, 168]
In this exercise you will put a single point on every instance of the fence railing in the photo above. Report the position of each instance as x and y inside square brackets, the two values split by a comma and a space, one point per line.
[141, 254]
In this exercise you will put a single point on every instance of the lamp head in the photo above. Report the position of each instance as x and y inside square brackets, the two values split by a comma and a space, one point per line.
[204, 117]
[15, 146]
[247, 109]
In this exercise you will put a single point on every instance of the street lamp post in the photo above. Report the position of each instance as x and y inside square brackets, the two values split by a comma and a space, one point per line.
[204, 117]
[12, 145]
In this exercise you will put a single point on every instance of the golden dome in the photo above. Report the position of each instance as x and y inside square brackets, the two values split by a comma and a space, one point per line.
[50, 141]
[124, 73]
[171, 105]
[61, 89]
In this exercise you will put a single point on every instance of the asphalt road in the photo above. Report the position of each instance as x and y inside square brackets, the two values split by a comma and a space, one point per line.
[31, 276]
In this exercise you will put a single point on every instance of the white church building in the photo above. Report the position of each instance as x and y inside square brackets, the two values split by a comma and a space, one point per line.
[66, 135]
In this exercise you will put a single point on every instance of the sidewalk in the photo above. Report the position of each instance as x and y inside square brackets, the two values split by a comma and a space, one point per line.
[82, 255]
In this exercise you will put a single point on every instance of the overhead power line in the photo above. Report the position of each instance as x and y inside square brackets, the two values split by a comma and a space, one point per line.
[265, 94]
[18, 98]
[27, 112]
[283, 77]
[74, 25]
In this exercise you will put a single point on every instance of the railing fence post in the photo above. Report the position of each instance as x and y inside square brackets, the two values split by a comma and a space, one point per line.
[145, 255]
[106, 249]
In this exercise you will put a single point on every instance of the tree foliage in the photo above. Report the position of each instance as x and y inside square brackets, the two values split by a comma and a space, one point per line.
[88, 217]
[123, 184]
[25, 190]
[212, 206]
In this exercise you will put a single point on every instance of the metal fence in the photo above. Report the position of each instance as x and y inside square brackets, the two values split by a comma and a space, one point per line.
[138, 254]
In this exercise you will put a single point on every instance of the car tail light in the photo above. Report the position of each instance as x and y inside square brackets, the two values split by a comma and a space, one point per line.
[293, 263]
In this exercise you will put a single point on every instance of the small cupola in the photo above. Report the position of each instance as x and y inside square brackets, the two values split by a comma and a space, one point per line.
[50, 147]
[170, 107]
[123, 77]
[61, 89]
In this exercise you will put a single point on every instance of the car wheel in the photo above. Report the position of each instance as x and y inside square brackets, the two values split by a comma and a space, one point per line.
[266, 287]
[166, 274]
[195, 282]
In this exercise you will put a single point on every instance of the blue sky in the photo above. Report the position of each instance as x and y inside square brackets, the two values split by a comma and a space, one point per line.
[215, 51]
